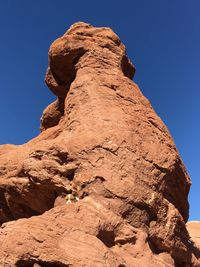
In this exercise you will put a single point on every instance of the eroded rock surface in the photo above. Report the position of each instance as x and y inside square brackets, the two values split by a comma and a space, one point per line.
[103, 139]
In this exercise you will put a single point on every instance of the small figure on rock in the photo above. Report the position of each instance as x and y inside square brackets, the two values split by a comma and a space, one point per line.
[71, 195]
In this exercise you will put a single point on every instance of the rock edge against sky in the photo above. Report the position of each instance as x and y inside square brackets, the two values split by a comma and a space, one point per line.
[102, 140]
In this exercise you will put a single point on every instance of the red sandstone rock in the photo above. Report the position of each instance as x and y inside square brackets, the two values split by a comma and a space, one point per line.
[103, 139]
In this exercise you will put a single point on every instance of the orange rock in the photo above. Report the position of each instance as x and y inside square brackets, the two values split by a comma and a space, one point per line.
[103, 138]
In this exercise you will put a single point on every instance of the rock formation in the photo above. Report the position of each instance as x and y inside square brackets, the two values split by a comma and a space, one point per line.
[102, 141]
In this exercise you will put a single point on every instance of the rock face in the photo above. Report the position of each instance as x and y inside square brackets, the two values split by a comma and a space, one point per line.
[102, 140]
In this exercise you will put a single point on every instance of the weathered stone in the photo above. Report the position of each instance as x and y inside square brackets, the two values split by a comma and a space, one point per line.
[103, 139]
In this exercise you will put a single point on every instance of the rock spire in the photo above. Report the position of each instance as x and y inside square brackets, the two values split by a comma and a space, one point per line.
[103, 184]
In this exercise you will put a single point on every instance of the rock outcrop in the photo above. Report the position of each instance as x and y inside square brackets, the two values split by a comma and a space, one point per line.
[101, 142]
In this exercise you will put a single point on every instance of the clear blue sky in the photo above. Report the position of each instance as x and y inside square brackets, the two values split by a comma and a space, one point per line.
[162, 39]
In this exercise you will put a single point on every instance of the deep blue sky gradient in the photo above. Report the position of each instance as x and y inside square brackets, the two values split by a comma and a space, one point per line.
[162, 39]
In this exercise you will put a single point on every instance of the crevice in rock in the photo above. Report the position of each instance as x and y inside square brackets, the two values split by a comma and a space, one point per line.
[95, 179]
[111, 150]
[70, 174]
[33, 263]
[143, 206]
[131, 240]
[5, 213]
[136, 217]
[154, 248]
[128, 99]
[156, 125]
[107, 237]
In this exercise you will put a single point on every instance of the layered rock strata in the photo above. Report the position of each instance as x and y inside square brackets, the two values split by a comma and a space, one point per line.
[102, 139]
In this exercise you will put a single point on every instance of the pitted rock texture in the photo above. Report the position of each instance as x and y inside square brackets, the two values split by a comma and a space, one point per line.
[102, 138]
